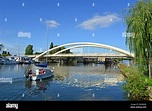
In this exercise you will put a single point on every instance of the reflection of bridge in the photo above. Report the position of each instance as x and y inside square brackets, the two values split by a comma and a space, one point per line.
[122, 53]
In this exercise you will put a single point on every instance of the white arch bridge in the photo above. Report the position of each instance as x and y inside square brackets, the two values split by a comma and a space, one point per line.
[122, 53]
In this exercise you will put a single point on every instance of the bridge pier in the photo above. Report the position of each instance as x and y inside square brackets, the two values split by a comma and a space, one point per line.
[75, 61]
[109, 61]
[61, 61]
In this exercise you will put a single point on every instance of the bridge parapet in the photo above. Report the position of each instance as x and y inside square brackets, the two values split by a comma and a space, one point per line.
[112, 55]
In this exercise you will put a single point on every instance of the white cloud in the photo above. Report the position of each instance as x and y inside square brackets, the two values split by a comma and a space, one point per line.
[98, 21]
[51, 23]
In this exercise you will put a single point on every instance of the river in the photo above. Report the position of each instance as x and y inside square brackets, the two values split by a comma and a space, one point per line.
[92, 82]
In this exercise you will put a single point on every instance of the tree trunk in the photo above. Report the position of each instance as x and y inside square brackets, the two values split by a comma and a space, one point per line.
[149, 70]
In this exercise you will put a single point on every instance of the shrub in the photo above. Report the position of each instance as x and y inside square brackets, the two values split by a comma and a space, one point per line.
[136, 85]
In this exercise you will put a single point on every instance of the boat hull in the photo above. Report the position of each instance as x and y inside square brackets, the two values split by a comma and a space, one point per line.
[47, 74]
[41, 64]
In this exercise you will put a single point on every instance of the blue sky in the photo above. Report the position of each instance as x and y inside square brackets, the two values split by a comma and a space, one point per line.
[24, 22]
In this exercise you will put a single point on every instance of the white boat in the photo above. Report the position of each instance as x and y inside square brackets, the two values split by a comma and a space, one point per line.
[1, 59]
[23, 59]
[34, 76]
[8, 61]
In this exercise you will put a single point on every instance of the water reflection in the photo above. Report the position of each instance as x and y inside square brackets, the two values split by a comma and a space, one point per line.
[88, 80]
[80, 82]
[12, 71]
[37, 87]
[88, 76]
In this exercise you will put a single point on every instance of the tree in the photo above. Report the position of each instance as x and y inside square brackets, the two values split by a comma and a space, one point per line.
[51, 46]
[58, 49]
[29, 50]
[37, 53]
[139, 33]
[6, 53]
[1, 46]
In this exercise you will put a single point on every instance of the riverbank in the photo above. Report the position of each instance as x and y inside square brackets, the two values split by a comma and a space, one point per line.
[138, 86]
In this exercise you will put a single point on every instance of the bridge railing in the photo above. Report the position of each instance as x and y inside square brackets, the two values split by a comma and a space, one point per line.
[84, 55]
[88, 55]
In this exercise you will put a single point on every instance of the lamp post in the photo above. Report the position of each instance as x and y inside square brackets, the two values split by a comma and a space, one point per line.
[47, 33]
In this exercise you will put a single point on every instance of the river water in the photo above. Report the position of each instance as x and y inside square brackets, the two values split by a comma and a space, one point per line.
[92, 82]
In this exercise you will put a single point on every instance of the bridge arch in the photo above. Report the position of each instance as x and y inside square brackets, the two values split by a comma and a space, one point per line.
[85, 44]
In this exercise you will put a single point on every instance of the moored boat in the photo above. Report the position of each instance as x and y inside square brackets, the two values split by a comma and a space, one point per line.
[8, 61]
[41, 65]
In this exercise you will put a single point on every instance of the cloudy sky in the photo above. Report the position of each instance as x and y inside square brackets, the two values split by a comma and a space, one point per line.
[38, 22]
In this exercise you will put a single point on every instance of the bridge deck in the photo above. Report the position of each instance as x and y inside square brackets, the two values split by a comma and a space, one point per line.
[85, 55]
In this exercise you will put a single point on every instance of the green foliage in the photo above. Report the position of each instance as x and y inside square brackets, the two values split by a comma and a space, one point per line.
[29, 50]
[69, 60]
[5, 53]
[136, 84]
[37, 53]
[51, 46]
[139, 24]
[58, 49]
[118, 59]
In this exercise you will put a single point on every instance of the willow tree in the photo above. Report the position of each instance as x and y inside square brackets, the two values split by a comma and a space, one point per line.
[139, 33]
